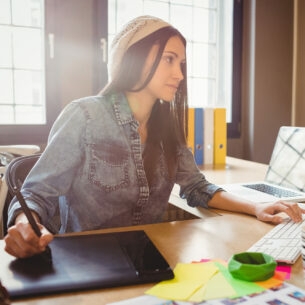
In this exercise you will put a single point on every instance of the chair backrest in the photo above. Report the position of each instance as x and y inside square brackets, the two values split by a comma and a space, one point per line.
[16, 172]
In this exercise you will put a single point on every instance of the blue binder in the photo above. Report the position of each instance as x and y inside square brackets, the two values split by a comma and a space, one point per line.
[198, 153]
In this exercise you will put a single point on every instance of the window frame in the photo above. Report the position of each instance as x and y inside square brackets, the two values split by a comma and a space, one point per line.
[234, 128]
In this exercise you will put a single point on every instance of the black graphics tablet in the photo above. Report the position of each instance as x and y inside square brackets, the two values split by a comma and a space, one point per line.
[81, 262]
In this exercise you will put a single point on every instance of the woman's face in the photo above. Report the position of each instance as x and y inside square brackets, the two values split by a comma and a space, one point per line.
[168, 75]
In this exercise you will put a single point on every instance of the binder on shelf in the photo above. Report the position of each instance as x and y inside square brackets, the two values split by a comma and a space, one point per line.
[208, 135]
[198, 149]
[220, 136]
[191, 129]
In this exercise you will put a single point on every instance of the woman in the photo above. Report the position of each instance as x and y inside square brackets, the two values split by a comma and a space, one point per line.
[112, 160]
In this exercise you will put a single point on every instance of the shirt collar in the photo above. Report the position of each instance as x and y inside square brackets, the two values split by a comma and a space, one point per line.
[122, 109]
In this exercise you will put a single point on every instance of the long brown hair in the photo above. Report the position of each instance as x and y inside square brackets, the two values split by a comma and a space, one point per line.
[167, 125]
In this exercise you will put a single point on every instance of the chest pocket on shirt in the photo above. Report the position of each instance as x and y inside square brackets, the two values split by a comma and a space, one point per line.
[108, 167]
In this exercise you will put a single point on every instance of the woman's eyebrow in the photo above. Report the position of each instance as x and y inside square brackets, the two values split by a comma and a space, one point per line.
[174, 53]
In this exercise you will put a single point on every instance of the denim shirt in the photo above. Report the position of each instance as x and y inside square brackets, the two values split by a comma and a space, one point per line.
[92, 168]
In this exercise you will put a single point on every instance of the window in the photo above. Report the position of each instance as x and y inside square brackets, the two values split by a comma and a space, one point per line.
[51, 61]
[208, 26]
[47, 59]
[22, 93]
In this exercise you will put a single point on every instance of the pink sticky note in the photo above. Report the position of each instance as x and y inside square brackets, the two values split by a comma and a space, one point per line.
[286, 269]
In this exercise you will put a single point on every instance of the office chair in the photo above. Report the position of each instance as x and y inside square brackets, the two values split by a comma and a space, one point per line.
[16, 172]
[7, 154]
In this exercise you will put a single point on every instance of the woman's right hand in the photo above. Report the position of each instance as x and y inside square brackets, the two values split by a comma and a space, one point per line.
[21, 241]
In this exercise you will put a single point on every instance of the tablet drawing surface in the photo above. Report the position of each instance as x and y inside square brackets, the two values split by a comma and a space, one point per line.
[86, 262]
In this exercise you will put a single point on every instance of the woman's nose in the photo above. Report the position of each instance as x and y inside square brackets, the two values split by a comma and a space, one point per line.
[178, 74]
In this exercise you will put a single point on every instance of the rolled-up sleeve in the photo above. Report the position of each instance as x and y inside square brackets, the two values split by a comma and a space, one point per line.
[193, 185]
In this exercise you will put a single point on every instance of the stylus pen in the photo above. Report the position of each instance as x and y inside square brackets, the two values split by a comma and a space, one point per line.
[46, 255]
[27, 212]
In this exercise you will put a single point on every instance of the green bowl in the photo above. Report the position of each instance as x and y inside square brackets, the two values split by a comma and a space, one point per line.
[252, 266]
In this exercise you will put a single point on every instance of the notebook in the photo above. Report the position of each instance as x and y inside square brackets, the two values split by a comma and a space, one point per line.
[85, 262]
[285, 177]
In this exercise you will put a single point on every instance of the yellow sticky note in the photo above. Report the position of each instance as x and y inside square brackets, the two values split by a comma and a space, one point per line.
[199, 271]
[211, 289]
[188, 279]
[241, 287]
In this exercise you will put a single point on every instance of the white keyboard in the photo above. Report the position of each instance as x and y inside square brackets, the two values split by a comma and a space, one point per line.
[283, 242]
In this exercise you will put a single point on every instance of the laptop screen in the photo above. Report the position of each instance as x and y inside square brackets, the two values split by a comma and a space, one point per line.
[287, 164]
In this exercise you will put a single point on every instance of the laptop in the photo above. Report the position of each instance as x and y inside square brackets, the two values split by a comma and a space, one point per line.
[285, 177]
[81, 262]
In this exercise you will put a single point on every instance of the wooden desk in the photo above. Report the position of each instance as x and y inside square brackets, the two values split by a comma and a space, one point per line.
[184, 241]
[235, 170]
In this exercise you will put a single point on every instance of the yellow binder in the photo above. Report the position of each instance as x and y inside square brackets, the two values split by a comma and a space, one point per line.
[220, 136]
[191, 129]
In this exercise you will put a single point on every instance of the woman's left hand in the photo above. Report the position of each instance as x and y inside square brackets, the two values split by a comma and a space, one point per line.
[270, 212]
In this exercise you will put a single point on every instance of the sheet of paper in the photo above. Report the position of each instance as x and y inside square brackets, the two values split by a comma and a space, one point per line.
[274, 281]
[188, 279]
[212, 289]
[284, 294]
[286, 269]
[200, 281]
[241, 287]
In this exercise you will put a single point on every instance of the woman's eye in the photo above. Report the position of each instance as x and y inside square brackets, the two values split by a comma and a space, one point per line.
[169, 59]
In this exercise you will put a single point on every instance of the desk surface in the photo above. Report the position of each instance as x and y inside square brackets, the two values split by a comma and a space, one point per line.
[187, 241]
[235, 171]
[184, 241]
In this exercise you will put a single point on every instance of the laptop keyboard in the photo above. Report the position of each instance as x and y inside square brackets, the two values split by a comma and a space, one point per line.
[272, 190]
[283, 242]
